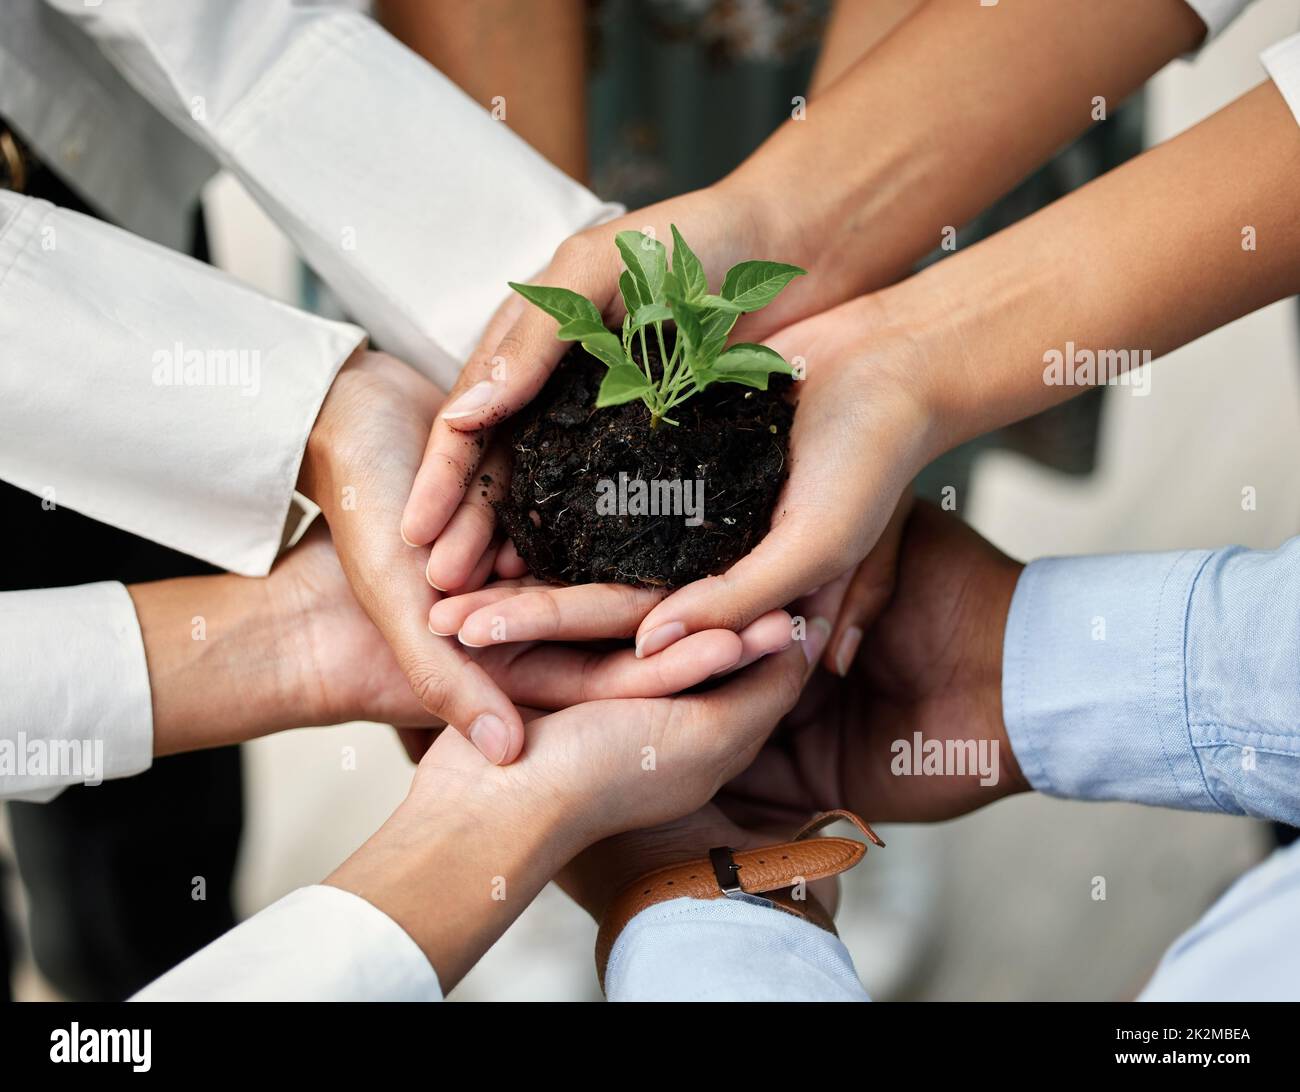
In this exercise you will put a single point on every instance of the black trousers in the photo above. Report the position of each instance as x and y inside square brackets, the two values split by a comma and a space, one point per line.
[114, 872]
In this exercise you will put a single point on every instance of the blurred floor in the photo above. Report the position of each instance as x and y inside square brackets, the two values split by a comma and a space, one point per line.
[1011, 896]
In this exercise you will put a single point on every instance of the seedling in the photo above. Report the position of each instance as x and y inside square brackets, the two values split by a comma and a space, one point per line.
[655, 294]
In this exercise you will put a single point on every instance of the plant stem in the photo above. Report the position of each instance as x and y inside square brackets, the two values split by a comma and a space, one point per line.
[645, 358]
[679, 380]
[663, 358]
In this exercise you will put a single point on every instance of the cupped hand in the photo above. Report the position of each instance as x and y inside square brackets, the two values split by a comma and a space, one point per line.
[930, 664]
[519, 351]
[526, 610]
[361, 457]
[604, 767]
[484, 839]
[342, 669]
[862, 430]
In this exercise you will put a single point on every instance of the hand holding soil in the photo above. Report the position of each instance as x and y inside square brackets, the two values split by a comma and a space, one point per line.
[864, 428]
[651, 458]
[361, 458]
[519, 351]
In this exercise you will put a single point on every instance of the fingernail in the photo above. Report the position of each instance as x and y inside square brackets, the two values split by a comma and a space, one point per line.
[814, 642]
[478, 396]
[730, 667]
[489, 734]
[438, 632]
[468, 644]
[745, 661]
[659, 639]
[848, 648]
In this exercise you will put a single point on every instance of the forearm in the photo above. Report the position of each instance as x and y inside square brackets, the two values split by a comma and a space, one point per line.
[854, 29]
[220, 659]
[1142, 261]
[945, 115]
[480, 48]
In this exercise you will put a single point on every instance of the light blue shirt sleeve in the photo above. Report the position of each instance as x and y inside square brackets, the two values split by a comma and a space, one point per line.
[725, 950]
[1170, 679]
[1244, 948]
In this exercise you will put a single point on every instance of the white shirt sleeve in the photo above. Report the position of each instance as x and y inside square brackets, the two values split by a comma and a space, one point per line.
[1282, 62]
[316, 944]
[401, 192]
[153, 392]
[1217, 14]
[726, 950]
[77, 705]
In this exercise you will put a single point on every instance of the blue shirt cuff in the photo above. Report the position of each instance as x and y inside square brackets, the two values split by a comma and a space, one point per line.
[726, 950]
[1093, 684]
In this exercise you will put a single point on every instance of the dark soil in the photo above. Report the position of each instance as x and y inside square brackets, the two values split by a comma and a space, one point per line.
[730, 438]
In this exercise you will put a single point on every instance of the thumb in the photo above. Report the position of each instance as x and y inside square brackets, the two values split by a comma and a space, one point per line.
[508, 375]
[451, 457]
[515, 357]
[526, 354]
[447, 681]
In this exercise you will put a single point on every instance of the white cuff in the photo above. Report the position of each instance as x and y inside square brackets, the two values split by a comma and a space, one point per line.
[1282, 62]
[1217, 14]
[76, 703]
[150, 391]
[316, 944]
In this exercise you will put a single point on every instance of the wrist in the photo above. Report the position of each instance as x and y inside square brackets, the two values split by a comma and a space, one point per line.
[1002, 589]
[916, 358]
[298, 614]
[451, 872]
[857, 197]
[317, 472]
[200, 634]
[597, 875]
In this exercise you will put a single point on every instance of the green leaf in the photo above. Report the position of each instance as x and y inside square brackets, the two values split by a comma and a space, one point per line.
[749, 365]
[607, 348]
[715, 326]
[690, 329]
[631, 293]
[650, 312]
[691, 282]
[718, 303]
[687, 317]
[646, 260]
[579, 328]
[576, 314]
[622, 383]
[751, 285]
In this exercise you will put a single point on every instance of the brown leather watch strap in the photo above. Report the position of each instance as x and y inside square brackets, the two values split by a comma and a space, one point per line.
[769, 872]
[13, 162]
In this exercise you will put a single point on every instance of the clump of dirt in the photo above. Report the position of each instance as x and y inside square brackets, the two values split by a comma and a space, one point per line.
[596, 495]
